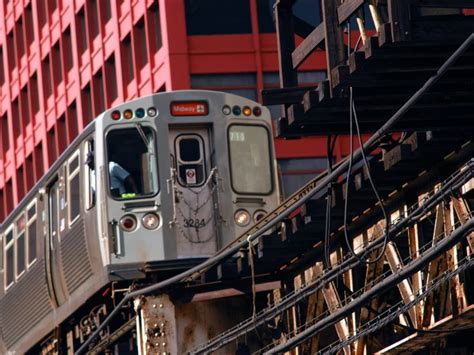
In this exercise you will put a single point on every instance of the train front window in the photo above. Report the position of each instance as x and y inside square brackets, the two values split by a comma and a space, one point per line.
[132, 162]
[190, 153]
[250, 159]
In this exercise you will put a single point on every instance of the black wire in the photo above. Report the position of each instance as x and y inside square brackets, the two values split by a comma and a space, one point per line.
[327, 233]
[369, 175]
[348, 175]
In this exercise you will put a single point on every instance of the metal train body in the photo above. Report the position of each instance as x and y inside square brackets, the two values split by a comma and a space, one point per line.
[201, 161]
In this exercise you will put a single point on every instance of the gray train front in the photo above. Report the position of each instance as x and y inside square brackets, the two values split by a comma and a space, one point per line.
[197, 168]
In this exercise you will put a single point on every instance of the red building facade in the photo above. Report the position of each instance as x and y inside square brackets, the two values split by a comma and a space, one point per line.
[63, 62]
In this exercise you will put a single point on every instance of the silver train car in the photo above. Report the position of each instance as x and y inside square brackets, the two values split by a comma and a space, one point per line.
[149, 186]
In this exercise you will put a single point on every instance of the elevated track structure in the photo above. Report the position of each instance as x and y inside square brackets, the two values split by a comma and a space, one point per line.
[375, 254]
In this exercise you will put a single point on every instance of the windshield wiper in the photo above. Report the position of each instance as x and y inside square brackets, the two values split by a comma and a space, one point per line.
[143, 136]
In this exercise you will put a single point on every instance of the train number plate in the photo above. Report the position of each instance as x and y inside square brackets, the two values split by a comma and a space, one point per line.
[194, 223]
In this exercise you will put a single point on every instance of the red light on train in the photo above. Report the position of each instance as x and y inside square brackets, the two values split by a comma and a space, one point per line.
[116, 115]
[189, 108]
[257, 111]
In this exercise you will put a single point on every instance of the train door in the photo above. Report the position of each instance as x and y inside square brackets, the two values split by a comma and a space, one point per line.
[194, 185]
[55, 206]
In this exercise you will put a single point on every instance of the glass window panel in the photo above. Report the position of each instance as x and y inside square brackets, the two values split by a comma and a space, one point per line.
[53, 206]
[250, 158]
[9, 237]
[20, 254]
[189, 150]
[74, 164]
[10, 266]
[205, 17]
[75, 203]
[132, 162]
[32, 242]
[32, 211]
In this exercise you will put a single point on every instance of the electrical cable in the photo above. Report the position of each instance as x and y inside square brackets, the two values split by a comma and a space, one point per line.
[327, 231]
[369, 175]
[353, 115]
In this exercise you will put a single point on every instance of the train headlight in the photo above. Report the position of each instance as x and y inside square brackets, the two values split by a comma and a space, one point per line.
[226, 110]
[242, 218]
[128, 223]
[258, 215]
[151, 221]
[152, 111]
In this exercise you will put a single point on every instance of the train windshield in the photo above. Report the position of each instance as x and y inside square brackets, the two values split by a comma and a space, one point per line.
[132, 162]
[250, 156]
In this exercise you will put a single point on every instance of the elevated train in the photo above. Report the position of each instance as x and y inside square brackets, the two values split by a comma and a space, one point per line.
[199, 169]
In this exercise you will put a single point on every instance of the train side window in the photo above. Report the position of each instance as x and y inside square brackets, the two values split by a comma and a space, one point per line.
[9, 268]
[90, 175]
[250, 159]
[190, 153]
[132, 161]
[20, 245]
[74, 188]
[31, 232]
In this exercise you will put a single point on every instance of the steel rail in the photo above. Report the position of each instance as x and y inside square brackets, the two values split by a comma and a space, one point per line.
[396, 310]
[450, 185]
[392, 280]
[306, 193]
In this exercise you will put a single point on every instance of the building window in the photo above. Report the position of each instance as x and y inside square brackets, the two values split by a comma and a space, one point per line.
[140, 44]
[16, 122]
[127, 60]
[110, 80]
[239, 84]
[67, 50]
[81, 33]
[154, 28]
[207, 17]
[29, 29]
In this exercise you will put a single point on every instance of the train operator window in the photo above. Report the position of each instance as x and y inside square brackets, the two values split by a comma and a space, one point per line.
[132, 162]
[190, 153]
[250, 159]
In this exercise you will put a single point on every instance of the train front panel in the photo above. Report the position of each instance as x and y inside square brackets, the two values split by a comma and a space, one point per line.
[197, 169]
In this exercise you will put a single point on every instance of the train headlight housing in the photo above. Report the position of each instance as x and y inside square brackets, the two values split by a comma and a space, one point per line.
[226, 110]
[151, 221]
[128, 114]
[258, 215]
[128, 223]
[152, 111]
[242, 218]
